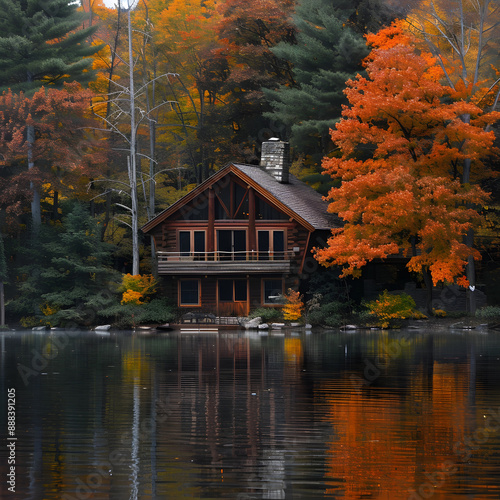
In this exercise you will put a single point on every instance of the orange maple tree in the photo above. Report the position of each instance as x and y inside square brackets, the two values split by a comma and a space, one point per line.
[401, 149]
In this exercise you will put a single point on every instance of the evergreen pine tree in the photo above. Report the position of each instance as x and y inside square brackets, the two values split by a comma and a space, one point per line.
[328, 51]
[69, 279]
[41, 43]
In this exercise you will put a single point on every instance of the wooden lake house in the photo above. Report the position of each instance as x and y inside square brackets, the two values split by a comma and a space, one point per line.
[241, 238]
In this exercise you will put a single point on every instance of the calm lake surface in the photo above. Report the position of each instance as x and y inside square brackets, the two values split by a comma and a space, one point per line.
[365, 415]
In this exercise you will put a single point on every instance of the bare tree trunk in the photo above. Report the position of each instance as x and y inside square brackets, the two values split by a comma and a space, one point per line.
[134, 97]
[132, 159]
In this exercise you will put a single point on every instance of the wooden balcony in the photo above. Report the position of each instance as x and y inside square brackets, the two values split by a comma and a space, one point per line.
[246, 262]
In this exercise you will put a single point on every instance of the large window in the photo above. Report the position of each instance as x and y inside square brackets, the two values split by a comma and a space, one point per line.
[192, 244]
[232, 244]
[264, 211]
[189, 292]
[272, 289]
[231, 201]
[232, 290]
[271, 245]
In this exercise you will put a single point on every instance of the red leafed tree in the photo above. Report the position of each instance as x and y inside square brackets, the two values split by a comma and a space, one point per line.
[66, 152]
[401, 149]
[15, 178]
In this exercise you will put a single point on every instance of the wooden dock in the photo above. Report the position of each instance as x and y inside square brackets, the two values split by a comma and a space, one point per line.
[216, 324]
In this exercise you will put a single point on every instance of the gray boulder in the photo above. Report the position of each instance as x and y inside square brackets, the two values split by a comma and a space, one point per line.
[253, 323]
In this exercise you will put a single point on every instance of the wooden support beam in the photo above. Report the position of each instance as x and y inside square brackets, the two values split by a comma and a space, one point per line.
[211, 221]
[305, 252]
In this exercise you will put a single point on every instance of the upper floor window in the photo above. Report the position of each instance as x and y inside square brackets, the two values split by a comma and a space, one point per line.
[271, 244]
[192, 244]
[231, 201]
[231, 244]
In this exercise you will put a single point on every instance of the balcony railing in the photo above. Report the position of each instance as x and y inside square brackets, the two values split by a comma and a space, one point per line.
[220, 262]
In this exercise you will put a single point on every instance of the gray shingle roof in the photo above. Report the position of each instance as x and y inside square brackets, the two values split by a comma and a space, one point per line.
[296, 195]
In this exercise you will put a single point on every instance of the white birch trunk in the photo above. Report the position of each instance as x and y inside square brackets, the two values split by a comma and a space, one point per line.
[132, 160]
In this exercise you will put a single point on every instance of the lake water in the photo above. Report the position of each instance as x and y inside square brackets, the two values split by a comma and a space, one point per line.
[366, 415]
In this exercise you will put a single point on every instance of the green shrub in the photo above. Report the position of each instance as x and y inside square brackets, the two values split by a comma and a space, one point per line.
[268, 314]
[488, 312]
[456, 314]
[159, 310]
[365, 317]
[330, 314]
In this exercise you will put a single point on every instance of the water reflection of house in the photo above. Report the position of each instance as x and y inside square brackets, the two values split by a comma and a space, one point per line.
[239, 397]
[240, 238]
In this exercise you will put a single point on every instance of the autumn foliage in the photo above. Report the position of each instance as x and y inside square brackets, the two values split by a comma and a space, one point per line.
[389, 309]
[402, 143]
[137, 289]
[65, 154]
[294, 306]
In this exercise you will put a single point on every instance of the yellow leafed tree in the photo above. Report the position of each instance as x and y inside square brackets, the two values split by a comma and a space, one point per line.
[138, 288]
[294, 306]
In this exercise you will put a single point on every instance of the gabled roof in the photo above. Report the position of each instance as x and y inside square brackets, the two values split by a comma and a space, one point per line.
[297, 199]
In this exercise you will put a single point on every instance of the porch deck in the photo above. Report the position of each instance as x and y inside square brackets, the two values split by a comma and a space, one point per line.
[200, 263]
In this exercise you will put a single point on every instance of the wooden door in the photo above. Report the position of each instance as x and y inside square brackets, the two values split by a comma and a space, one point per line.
[232, 297]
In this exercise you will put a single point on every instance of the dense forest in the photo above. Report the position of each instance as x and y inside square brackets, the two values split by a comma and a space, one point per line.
[109, 115]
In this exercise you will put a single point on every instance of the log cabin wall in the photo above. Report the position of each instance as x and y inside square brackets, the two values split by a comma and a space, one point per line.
[298, 245]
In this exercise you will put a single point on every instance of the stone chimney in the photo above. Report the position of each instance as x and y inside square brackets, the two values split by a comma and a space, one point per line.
[276, 159]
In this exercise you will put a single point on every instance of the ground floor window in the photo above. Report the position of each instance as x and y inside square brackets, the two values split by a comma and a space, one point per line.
[271, 290]
[232, 290]
[189, 293]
